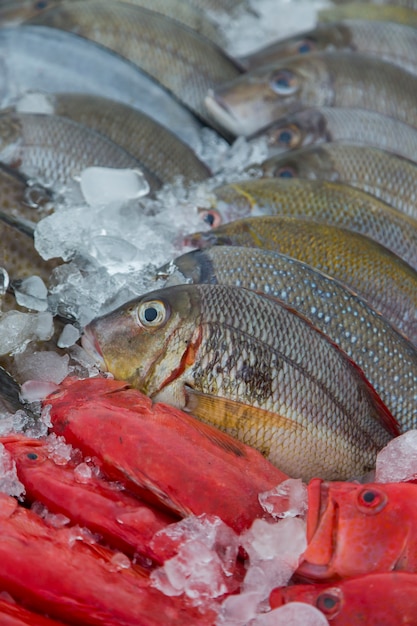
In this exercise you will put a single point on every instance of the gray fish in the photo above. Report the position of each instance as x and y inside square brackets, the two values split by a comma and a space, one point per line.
[159, 150]
[252, 367]
[396, 43]
[330, 124]
[37, 58]
[356, 10]
[386, 176]
[178, 58]
[53, 149]
[340, 79]
[369, 269]
[388, 360]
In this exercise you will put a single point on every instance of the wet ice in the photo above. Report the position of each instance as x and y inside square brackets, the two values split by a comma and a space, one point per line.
[17, 329]
[9, 481]
[31, 293]
[398, 460]
[288, 499]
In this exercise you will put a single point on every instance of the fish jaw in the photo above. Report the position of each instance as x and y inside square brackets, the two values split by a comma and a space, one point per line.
[91, 346]
[223, 115]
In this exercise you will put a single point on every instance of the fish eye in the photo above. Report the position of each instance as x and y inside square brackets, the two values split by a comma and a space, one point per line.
[284, 82]
[329, 602]
[371, 500]
[152, 314]
[290, 137]
[42, 4]
[305, 46]
[32, 456]
[211, 217]
[285, 171]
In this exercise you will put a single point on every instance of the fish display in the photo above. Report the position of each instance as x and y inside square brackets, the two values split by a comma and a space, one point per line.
[396, 43]
[374, 599]
[238, 360]
[357, 540]
[148, 40]
[331, 124]
[386, 176]
[341, 79]
[369, 269]
[368, 11]
[37, 58]
[388, 360]
[326, 202]
[161, 152]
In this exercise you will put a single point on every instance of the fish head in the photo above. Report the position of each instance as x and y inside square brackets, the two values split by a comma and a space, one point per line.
[328, 599]
[296, 131]
[353, 529]
[25, 452]
[258, 98]
[310, 163]
[150, 342]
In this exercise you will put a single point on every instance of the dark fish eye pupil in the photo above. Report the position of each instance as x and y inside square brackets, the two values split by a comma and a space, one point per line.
[32, 456]
[329, 602]
[41, 5]
[369, 496]
[209, 219]
[282, 81]
[304, 47]
[151, 314]
[286, 172]
[285, 136]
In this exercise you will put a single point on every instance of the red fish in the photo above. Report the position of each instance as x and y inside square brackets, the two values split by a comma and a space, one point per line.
[188, 466]
[387, 599]
[355, 529]
[123, 521]
[15, 615]
[56, 572]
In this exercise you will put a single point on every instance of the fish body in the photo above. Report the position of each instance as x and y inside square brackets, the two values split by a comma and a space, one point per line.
[396, 43]
[368, 11]
[386, 176]
[252, 367]
[53, 149]
[162, 152]
[12, 614]
[388, 598]
[339, 79]
[124, 522]
[37, 58]
[373, 530]
[388, 360]
[186, 64]
[327, 202]
[332, 124]
[369, 269]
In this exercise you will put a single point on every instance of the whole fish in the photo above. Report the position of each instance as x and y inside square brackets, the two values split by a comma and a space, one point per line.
[388, 360]
[37, 58]
[355, 126]
[369, 269]
[355, 529]
[386, 176]
[332, 203]
[252, 367]
[368, 11]
[177, 57]
[393, 42]
[388, 598]
[340, 79]
[124, 522]
[53, 149]
[58, 572]
[155, 450]
[162, 152]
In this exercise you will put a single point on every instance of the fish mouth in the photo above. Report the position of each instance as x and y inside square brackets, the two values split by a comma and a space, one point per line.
[91, 346]
[221, 113]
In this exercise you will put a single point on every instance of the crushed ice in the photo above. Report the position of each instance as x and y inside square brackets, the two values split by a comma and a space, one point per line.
[397, 462]
[9, 481]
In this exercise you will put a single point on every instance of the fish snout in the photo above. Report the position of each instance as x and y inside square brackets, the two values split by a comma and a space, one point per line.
[91, 346]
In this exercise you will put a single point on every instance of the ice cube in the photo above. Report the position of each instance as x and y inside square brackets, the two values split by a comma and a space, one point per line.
[398, 460]
[58, 449]
[31, 293]
[45, 366]
[103, 185]
[9, 481]
[238, 610]
[35, 390]
[285, 539]
[17, 329]
[286, 500]
[292, 614]
[70, 334]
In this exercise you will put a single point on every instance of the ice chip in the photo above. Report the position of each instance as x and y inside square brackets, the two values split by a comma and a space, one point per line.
[285, 539]
[35, 102]
[35, 390]
[31, 293]
[45, 366]
[238, 610]
[17, 329]
[102, 185]
[58, 450]
[9, 481]
[292, 614]
[70, 334]
[83, 473]
[286, 500]
[119, 561]
[112, 250]
[4, 281]
[398, 460]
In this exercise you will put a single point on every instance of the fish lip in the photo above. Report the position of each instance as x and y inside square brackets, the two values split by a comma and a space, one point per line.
[92, 347]
[221, 112]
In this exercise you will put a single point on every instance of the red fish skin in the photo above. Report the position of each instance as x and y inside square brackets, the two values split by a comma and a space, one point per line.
[162, 449]
[76, 581]
[383, 599]
[16, 615]
[355, 529]
[122, 520]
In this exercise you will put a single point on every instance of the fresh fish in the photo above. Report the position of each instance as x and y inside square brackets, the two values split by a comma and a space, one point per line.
[396, 43]
[355, 529]
[369, 269]
[36, 58]
[53, 149]
[388, 360]
[156, 449]
[354, 126]
[178, 58]
[340, 79]
[386, 176]
[389, 598]
[323, 201]
[252, 367]
[162, 152]
[368, 11]
[69, 577]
